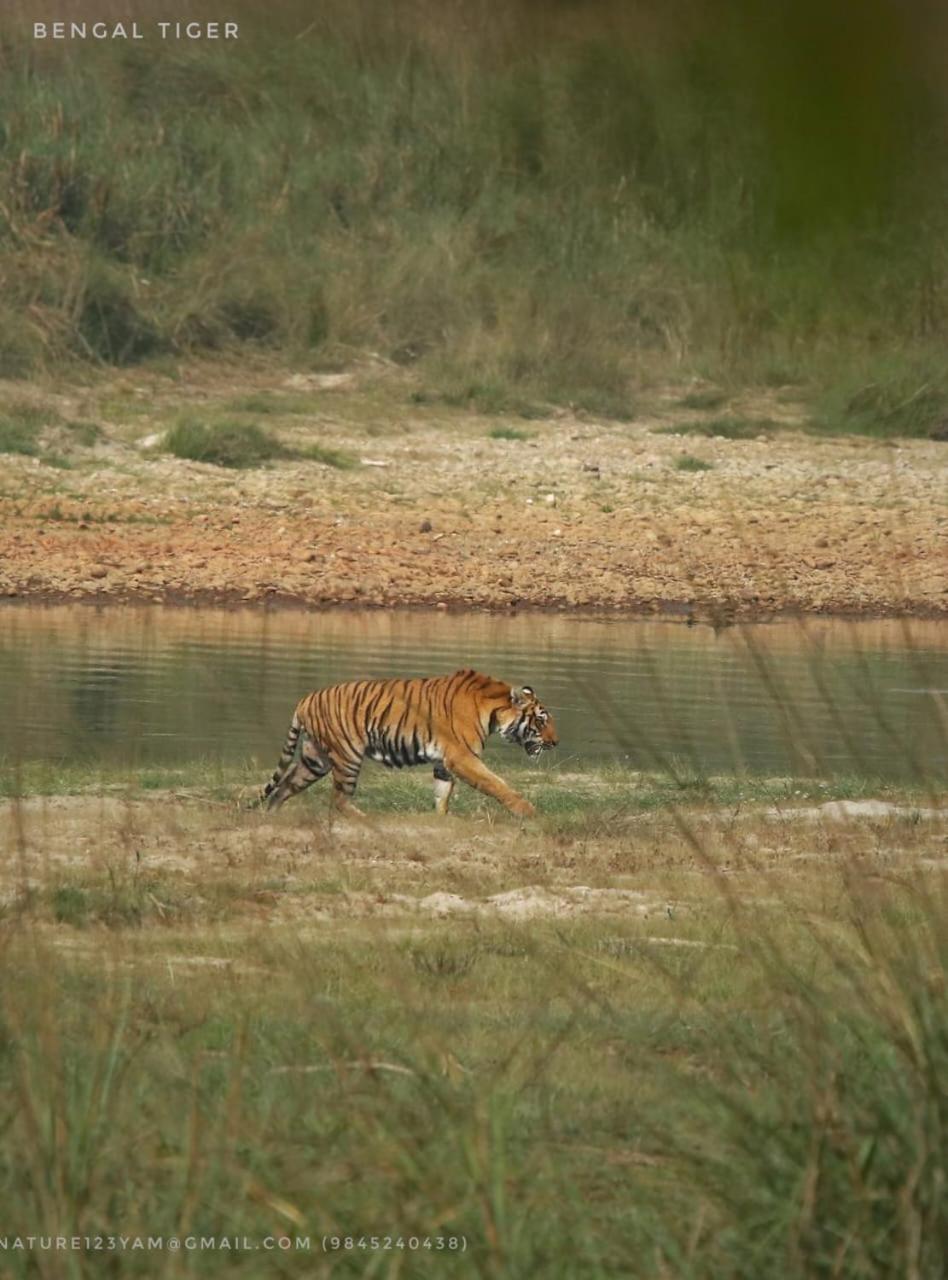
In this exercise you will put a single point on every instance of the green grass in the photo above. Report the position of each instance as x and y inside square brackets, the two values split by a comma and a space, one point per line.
[221, 1022]
[895, 395]
[533, 215]
[83, 433]
[57, 460]
[688, 462]
[17, 437]
[527, 389]
[589, 794]
[267, 402]
[507, 433]
[225, 444]
[240, 444]
[122, 901]
[20, 426]
[38, 431]
[494, 396]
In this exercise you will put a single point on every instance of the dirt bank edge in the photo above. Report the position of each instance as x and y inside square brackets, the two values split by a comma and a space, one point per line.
[687, 612]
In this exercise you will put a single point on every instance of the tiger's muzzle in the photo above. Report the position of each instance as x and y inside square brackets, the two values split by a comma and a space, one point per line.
[537, 743]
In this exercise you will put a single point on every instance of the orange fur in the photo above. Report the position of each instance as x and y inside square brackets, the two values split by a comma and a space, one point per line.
[440, 720]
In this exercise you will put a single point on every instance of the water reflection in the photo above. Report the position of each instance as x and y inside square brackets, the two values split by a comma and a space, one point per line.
[138, 686]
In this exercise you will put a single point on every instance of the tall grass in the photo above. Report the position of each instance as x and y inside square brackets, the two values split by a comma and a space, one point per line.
[550, 202]
[766, 1099]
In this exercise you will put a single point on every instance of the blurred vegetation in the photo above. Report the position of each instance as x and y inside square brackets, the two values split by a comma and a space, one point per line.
[753, 1089]
[529, 202]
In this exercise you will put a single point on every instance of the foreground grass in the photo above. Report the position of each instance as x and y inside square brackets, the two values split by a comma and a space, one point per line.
[676, 1019]
[749, 1084]
[693, 1022]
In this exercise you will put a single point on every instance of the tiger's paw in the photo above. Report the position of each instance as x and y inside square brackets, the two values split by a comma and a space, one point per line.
[347, 810]
[523, 809]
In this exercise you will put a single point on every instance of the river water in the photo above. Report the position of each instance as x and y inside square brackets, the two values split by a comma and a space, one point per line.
[137, 686]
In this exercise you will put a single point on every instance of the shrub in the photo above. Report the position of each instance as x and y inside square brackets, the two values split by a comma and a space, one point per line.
[900, 396]
[687, 462]
[225, 444]
[111, 322]
[237, 444]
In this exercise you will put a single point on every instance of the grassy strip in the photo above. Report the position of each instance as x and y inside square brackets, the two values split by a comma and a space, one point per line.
[563, 797]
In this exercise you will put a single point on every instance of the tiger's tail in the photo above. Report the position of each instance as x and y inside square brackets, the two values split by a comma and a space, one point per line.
[286, 759]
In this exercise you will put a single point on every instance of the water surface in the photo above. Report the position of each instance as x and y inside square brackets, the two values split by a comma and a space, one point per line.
[139, 686]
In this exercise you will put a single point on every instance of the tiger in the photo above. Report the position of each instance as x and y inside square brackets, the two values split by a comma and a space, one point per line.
[439, 720]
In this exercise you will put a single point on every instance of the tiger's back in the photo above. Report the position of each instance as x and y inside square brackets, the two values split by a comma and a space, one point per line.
[440, 720]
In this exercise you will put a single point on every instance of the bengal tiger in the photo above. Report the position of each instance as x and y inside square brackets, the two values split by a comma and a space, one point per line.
[439, 720]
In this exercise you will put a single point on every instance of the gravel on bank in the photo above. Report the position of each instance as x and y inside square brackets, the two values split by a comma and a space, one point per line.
[442, 509]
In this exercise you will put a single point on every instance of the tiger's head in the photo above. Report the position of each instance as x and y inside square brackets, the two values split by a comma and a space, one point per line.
[528, 722]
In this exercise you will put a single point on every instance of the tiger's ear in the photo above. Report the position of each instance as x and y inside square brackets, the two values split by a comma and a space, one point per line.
[519, 697]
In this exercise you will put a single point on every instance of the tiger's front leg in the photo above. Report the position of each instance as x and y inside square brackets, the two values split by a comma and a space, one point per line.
[475, 773]
[443, 786]
[345, 778]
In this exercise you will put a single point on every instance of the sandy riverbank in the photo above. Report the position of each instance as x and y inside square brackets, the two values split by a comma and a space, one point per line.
[571, 513]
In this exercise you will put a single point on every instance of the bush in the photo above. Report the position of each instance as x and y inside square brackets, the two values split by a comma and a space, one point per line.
[687, 462]
[243, 444]
[225, 444]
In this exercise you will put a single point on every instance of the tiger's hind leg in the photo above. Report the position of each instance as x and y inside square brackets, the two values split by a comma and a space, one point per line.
[312, 765]
[284, 764]
[443, 786]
